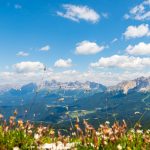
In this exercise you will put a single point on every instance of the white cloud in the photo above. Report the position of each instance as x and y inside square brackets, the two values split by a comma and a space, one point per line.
[77, 13]
[14, 79]
[22, 54]
[137, 31]
[45, 48]
[17, 6]
[87, 48]
[140, 12]
[61, 63]
[29, 66]
[139, 49]
[121, 61]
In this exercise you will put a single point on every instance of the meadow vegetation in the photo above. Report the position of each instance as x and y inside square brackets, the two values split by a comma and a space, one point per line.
[18, 134]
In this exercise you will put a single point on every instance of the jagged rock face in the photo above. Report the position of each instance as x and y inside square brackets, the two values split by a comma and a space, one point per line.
[55, 85]
[129, 85]
[139, 84]
[73, 85]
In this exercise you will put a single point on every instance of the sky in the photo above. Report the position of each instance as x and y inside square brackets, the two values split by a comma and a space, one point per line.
[105, 41]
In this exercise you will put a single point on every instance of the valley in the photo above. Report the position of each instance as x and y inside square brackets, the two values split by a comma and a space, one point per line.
[58, 104]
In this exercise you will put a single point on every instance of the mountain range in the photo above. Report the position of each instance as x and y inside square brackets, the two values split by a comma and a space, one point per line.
[52, 100]
[139, 84]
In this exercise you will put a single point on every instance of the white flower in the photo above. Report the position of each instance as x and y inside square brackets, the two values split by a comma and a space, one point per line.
[36, 136]
[107, 122]
[137, 112]
[49, 146]
[105, 143]
[104, 137]
[92, 144]
[119, 147]
[101, 126]
[148, 131]
[16, 148]
[73, 134]
[132, 131]
[98, 133]
[139, 131]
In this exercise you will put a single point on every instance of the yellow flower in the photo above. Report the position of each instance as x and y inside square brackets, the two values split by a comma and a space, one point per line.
[128, 148]
[52, 132]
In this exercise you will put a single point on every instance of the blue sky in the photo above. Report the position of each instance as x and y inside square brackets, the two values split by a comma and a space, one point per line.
[100, 40]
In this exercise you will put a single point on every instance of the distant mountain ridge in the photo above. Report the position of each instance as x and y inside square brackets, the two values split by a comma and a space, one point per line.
[76, 85]
[55, 85]
[141, 84]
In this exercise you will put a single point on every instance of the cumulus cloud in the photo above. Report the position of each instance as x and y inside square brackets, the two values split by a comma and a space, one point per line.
[122, 61]
[87, 48]
[15, 79]
[77, 13]
[45, 48]
[137, 31]
[29, 66]
[22, 54]
[139, 49]
[62, 63]
[140, 12]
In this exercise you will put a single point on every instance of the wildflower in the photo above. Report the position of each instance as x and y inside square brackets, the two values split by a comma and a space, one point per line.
[92, 145]
[73, 134]
[137, 126]
[12, 118]
[119, 147]
[101, 126]
[1, 116]
[105, 142]
[15, 112]
[130, 137]
[52, 132]
[98, 133]
[148, 131]
[112, 138]
[104, 137]
[139, 131]
[132, 131]
[30, 132]
[107, 122]
[77, 120]
[6, 129]
[49, 146]
[36, 136]
[124, 124]
[20, 122]
[16, 148]
[129, 148]
[146, 138]
[137, 112]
